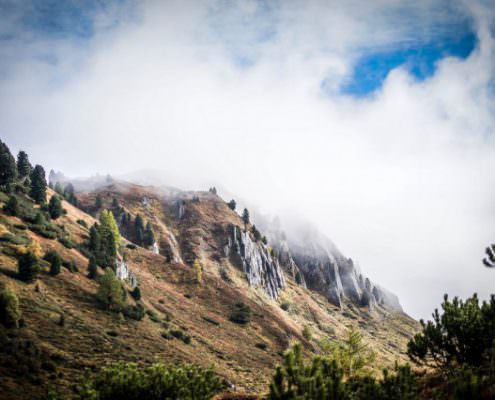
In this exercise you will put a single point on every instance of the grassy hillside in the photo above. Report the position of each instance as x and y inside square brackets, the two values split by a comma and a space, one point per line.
[65, 330]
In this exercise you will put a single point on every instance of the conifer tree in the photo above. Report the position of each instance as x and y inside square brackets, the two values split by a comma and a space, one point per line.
[69, 194]
[28, 267]
[110, 292]
[245, 216]
[12, 206]
[198, 271]
[149, 236]
[115, 203]
[136, 293]
[38, 185]
[55, 207]
[55, 262]
[232, 204]
[139, 230]
[109, 238]
[8, 167]
[94, 240]
[24, 167]
[98, 201]
[92, 268]
[59, 189]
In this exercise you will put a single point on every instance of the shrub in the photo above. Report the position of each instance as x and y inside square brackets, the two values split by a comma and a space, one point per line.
[285, 305]
[66, 242]
[82, 223]
[55, 261]
[55, 207]
[136, 293]
[181, 335]
[110, 293]
[241, 314]
[261, 345]
[128, 381]
[131, 246]
[12, 207]
[92, 268]
[463, 334]
[70, 265]
[28, 267]
[9, 308]
[306, 332]
[135, 312]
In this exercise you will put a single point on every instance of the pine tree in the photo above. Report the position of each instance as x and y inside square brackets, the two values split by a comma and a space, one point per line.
[149, 236]
[198, 271]
[136, 293]
[8, 167]
[10, 314]
[28, 267]
[107, 222]
[115, 203]
[98, 202]
[24, 167]
[55, 262]
[109, 238]
[12, 206]
[55, 207]
[92, 268]
[245, 216]
[110, 292]
[94, 240]
[59, 189]
[232, 204]
[139, 230]
[69, 194]
[38, 185]
[256, 233]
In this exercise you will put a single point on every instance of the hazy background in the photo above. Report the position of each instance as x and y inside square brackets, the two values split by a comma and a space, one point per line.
[374, 121]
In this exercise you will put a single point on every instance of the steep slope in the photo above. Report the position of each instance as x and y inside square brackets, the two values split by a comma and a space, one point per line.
[236, 269]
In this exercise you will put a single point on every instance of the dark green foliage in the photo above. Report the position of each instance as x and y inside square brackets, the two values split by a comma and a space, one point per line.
[8, 167]
[69, 194]
[241, 314]
[157, 382]
[92, 268]
[135, 312]
[110, 292]
[115, 203]
[82, 223]
[98, 202]
[181, 335]
[463, 334]
[12, 207]
[264, 240]
[256, 233]
[324, 379]
[24, 167]
[55, 207]
[59, 188]
[10, 313]
[261, 345]
[55, 261]
[28, 265]
[139, 230]
[38, 185]
[136, 293]
[232, 204]
[245, 216]
[67, 242]
[149, 236]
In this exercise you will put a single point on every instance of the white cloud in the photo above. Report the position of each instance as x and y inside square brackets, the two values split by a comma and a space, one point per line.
[400, 181]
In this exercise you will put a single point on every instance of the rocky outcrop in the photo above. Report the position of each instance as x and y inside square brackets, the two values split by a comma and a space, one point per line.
[123, 273]
[260, 268]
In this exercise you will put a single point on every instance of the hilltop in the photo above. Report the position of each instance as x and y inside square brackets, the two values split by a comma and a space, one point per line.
[66, 330]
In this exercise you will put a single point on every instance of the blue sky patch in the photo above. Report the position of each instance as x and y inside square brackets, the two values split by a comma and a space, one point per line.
[420, 60]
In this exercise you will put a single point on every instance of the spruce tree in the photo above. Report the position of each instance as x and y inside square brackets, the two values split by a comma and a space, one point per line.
[92, 268]
[139, 230]
[109, 238]
[28, 267]
[55, 262]
[110, 292]
[8, 167]
[232, 204]
[98, 202]
[38, 185]
[55, 207]
[59, 189]
[12, 206]
[69, 194]
[24, 167]
[136, 293]
[245, 216]
[149, 236]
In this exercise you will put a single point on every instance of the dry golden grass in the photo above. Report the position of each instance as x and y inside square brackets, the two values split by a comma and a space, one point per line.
[92, 337]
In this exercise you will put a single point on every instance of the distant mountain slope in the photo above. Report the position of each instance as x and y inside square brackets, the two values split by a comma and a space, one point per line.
[236, 268]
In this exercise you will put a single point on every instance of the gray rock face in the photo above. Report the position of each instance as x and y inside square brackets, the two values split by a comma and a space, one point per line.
[328, 272]
[180, 208]
[254, 259]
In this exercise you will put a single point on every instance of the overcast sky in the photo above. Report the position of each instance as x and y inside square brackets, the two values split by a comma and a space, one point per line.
[373, 119]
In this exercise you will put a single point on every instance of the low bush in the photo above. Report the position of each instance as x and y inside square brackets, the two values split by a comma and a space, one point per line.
[128, 381]
[241, 314]
[66, 242]
[82, 223]
[135, 312]
[181, 335]
[10, 313]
